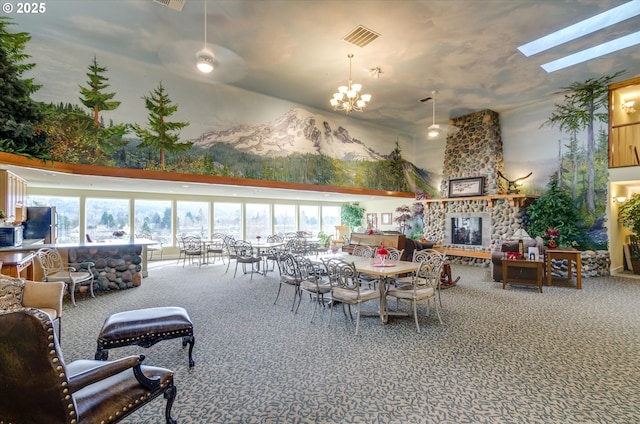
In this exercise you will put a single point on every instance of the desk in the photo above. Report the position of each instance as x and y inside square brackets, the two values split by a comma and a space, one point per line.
[517, 265]
[569, 255]
[13, 263]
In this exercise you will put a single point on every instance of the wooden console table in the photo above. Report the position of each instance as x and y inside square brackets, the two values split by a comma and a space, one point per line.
[518, 265]
[13, 263]
[569, 255]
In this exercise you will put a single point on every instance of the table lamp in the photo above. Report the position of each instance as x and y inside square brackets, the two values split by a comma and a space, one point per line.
[520, 235]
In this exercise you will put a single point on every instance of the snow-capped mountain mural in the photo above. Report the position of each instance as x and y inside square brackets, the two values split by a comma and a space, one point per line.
[297, 131]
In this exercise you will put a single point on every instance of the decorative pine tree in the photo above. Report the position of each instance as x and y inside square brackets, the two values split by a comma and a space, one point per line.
[19, 114]
[162, 134]
[93, 96]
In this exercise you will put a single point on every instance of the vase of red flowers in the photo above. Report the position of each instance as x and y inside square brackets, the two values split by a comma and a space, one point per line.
[382, 254]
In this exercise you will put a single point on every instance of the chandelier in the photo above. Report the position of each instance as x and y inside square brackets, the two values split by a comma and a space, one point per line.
[348, 97]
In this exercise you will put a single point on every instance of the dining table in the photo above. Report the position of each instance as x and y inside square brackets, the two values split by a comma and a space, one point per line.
[385, 270]
[262, 249]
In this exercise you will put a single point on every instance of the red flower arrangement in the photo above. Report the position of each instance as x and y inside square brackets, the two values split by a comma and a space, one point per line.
[382, 253]
[550, 236]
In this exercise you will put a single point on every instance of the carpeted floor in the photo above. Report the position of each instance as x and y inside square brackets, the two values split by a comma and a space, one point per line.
[501, 356]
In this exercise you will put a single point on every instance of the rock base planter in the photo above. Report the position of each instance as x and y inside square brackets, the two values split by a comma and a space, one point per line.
[116, 267]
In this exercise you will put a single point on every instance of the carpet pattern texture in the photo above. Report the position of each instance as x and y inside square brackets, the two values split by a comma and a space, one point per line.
[501, 356]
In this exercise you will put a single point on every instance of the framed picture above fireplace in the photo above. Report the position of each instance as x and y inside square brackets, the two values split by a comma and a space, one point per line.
[465, 187]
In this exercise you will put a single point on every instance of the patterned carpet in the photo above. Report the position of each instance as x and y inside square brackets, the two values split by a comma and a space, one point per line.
[502, 356]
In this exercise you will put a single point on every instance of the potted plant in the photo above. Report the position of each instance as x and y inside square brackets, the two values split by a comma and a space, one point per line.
[352, 214]
[629, 216]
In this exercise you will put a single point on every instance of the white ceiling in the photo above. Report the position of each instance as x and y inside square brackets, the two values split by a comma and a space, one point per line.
[293, 50]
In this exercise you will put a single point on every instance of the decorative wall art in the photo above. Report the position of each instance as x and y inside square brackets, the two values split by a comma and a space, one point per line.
[372, 220]
[385, 218]
[465, 187]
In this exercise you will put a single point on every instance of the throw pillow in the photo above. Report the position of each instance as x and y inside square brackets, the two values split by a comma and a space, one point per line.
[11, 290]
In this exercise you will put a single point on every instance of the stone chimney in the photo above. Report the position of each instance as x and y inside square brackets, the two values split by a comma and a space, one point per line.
[474, 150]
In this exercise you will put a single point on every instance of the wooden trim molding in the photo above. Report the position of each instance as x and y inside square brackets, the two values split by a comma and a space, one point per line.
[520, 200]
[142, 174]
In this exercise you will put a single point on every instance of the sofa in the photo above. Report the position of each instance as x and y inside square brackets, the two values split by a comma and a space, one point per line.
[512, 246]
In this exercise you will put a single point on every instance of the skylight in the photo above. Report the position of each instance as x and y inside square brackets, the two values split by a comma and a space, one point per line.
[593, 52]
[582, 28]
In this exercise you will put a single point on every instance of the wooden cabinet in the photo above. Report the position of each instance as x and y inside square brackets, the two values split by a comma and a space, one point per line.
[13, 195]
[388, 240]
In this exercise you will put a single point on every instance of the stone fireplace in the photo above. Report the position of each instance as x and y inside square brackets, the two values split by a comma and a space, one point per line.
[474, 150]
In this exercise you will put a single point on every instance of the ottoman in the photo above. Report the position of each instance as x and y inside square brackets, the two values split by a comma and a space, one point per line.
[145, 327]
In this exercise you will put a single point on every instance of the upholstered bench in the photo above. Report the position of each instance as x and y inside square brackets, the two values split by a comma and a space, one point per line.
[145, 327]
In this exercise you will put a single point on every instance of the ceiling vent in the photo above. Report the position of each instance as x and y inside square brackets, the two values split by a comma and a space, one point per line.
[172, 4]
[361, 36]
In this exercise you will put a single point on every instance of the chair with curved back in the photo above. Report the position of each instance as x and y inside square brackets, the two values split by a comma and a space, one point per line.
[312, 282]
[347, 289]
[38, 387]
[422, 255]
[180, 245]
[363, 251]
[192, 249]
[54, 269]
[272, 253]
[245, 255]
[215, 247]
[423, 284]
[230, 250]
[289, 276]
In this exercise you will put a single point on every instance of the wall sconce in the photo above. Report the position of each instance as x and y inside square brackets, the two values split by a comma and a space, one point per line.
[619, 199]
[627, 106]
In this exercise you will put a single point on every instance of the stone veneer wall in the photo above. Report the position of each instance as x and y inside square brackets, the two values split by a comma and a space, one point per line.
[474, 150]
[505, 219]
[115, 267]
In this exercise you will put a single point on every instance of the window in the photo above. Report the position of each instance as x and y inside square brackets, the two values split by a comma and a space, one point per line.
[193, 219]
[330, 218]
[284, 218]
[309, 220]
[257, 220]
[67, 215]
[152, 220]
[227, 219]
[106, 216]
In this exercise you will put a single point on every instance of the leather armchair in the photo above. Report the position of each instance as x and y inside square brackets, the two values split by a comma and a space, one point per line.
[512, 246]
[38, 387]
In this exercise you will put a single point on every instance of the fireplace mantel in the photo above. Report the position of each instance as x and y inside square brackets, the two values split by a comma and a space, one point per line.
[520, 200]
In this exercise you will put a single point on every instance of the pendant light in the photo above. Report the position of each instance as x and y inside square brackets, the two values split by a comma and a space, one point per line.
[205, 59]
[434, 129]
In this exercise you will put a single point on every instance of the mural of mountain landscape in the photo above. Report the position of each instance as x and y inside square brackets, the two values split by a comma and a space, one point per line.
[300, 147]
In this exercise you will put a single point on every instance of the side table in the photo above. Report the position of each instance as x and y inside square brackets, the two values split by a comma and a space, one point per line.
[517, 266]
[569, 255]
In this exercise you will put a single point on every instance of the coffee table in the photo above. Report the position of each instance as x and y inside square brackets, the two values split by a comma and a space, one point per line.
[517, 277]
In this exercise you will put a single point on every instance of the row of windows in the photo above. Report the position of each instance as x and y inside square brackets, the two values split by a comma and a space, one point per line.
[163, 220]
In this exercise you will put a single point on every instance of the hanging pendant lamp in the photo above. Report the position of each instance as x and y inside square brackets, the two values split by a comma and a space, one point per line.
[434, 129]
[205, 59]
